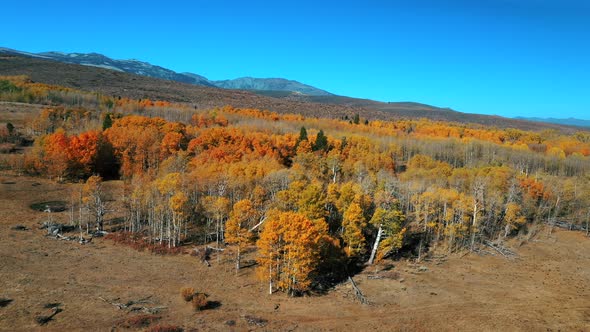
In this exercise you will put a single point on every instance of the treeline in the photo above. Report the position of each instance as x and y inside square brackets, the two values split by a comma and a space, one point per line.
[318, 197]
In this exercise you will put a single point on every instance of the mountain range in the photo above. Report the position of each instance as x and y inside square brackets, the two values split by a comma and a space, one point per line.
[136, 79]
[567, 121]
[146, 69]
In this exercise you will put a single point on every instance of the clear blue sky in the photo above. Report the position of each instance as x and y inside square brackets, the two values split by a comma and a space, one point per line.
[505, 57]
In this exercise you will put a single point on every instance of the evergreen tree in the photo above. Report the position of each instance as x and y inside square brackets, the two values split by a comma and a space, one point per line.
[357, 119]
[302, 135]
[321, 142]
[10, 128]
[107, 122]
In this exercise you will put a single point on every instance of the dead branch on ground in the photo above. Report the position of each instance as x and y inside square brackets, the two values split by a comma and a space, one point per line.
[131, 306]
[357, 292]
[509, 254]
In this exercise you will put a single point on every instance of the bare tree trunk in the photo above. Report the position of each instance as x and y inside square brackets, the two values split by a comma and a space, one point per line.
[587, 222]
[376, 245]
[270, 279]
[473, 225]
[552, 220]
[217, 232]
[238, 257]
[169, 231]
[334, 174]
[420, 248]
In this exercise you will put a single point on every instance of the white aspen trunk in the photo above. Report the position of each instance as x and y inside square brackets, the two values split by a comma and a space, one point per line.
[161, 227]
[238, 259]
[376, 245]
[552, 220]
[334, 174]
[473, 225]
[270, 279]
[72, 213]
[444, 222]
[258, 225]
[173, 229]
[168, 230]
[217, 232]
[420, 248]
[506, 230]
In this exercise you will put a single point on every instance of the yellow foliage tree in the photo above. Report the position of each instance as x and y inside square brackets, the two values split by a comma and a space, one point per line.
[513, 218]
[236, 227]
[288, 252]
[353, 224]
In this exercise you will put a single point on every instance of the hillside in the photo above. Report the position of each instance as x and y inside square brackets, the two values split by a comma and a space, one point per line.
[117, 83]
[142, 68]
[128, 66]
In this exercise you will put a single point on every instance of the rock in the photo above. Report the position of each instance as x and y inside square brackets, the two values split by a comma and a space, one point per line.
[422, 268]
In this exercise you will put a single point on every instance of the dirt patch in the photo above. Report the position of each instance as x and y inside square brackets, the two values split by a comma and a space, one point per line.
[546, 288]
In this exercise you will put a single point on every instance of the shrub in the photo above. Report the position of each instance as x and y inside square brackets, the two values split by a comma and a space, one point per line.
[187, 293]
[199, 301]
[166, 328]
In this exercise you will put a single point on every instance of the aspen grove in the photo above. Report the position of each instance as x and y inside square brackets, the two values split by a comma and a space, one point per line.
[317, 197]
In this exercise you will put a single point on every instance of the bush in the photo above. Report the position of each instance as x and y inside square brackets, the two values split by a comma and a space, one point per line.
[166, 328]
[199, 301]
[187, 293]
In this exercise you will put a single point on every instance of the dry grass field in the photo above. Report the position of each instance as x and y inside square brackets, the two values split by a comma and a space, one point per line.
[547, 288]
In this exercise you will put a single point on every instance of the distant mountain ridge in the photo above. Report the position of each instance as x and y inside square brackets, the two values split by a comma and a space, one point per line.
[566, 121]
[118, 83]
[128, 66]
[146, 69]
[270, 84]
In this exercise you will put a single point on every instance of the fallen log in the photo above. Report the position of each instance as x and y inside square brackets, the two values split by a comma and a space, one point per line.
[131, 306]
[85, 241]
[567, 225]
[374, 277]
[357, 292]
[216, 249]
[502, 250]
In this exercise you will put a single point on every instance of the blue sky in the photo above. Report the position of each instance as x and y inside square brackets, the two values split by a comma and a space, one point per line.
[505, 57]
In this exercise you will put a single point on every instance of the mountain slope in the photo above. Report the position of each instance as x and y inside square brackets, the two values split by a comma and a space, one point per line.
[128, 66]
[117, 83]
[146, 69]
[271, 84]
[567, 122]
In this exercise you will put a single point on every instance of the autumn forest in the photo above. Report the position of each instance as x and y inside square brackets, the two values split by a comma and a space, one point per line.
[318, 198]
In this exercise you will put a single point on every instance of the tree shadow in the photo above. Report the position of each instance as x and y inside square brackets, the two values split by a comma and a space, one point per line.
[212, 305]
[5, 302]
[248, 263]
